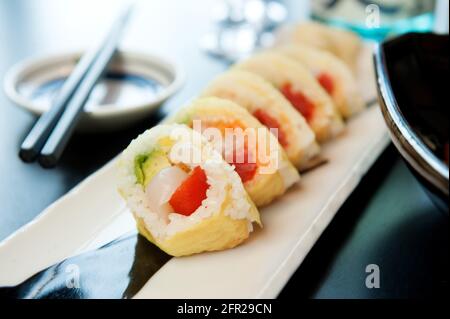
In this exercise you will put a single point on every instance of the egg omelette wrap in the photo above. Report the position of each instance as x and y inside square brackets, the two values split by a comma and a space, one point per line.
[185, 198]
[301, 88]
[245, 143]
[272, 109]
[344, 44]
[332, 73]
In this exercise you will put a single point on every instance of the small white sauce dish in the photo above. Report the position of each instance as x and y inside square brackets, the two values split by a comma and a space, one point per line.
[134, 86]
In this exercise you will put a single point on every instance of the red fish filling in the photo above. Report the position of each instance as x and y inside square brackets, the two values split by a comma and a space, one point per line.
[271, 122]
[190, 194]
[304, 105]
[326, 81]
[243, 167]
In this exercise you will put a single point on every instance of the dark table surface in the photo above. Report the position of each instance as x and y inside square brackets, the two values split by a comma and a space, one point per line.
[388, 221]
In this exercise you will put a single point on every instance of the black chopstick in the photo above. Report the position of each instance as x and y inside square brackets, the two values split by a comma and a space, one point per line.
[71, 113]
[38, 135]
[36, 138]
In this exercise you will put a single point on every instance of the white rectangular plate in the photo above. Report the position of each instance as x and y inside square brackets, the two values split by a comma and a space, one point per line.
[261, 267]
[93, 214]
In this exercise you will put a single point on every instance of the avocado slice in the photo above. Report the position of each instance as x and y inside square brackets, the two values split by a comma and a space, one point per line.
[146, 166]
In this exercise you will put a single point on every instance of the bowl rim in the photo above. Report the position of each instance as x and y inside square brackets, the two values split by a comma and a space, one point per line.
[408, 143]
[17, 71]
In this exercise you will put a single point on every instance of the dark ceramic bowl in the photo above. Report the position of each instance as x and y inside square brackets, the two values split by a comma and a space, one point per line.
[412, 74]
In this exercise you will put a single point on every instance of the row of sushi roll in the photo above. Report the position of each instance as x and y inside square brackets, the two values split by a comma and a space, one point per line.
[189, 193]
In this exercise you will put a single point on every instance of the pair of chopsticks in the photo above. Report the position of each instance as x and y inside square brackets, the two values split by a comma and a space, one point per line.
[49, 136]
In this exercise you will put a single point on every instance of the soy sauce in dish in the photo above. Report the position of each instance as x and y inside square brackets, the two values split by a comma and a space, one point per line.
[116, 90]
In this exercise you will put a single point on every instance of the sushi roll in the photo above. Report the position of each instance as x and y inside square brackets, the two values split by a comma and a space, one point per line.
[245, 143]
[333, 74]
[272, 109]
[301, 88]
[344, 44]
[185, 198]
